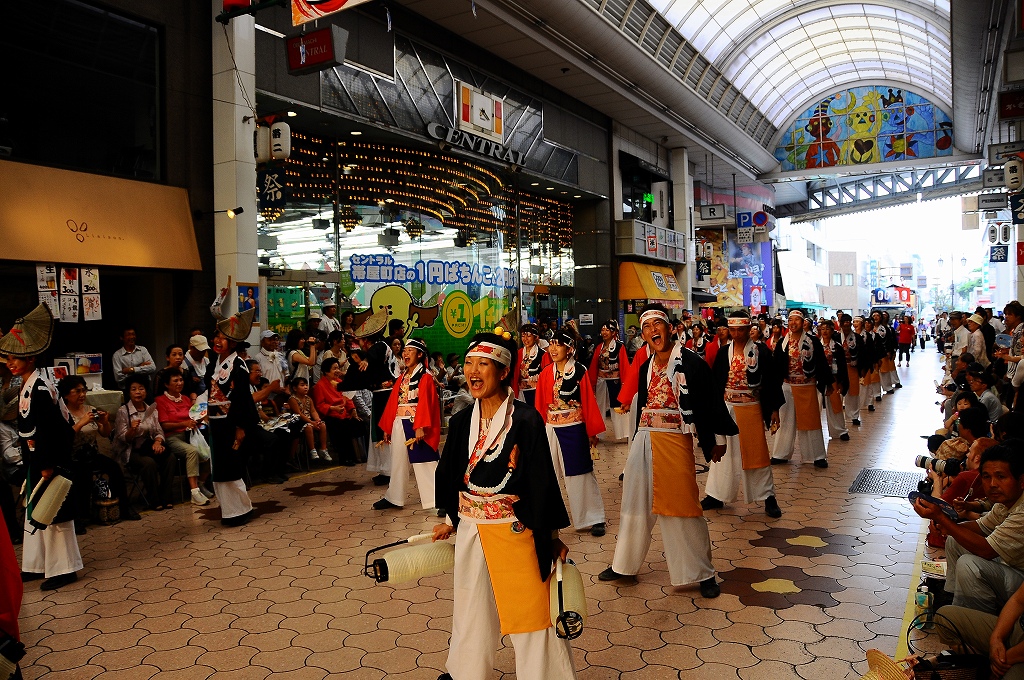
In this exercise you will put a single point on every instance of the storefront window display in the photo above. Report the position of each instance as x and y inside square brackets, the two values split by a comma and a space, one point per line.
[440, 239]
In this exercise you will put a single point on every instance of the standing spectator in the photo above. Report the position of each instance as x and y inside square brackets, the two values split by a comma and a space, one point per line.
[987, 329]
[348, 323]
[336, 340]
[940, 330]
[313, 322]
[961, 335]
[197, 362]
[319, 343]
[905, 335]
[976, 344]
[296, 347]
[139, 443]
[131, 358]
[377, 362]
[330, 322]
[1014, 315]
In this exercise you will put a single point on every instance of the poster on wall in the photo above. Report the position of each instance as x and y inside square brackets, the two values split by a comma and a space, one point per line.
[49, 298]
[91, 310]
[46, 277]
[741, 273]
[68, 281]
[69, 308]
[90, 280]
[249, 298]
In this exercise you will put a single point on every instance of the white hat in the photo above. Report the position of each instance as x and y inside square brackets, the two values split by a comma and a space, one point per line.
[266, 335]
[976, 318]
[315, 314]
[199, 342]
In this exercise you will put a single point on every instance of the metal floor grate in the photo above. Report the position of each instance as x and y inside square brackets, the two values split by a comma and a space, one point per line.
[886, 482]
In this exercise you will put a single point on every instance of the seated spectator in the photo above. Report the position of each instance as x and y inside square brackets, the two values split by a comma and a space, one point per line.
[439, 370]
[979, 383]
[262, 392]
[1009, 426]
[454, 367]
[998, 637]
[972, 424]
[985, 557]
[300, 351]
[965, 492]
[139, 443]
[959, 369]
[175, 356]
[320, 346]
[960, 402]
[337, 410]
[301, 404]
[948, 404]
[173, 413]
[89, 424]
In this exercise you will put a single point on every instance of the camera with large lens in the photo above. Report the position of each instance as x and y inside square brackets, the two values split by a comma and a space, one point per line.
[950, 466]
[926, 486]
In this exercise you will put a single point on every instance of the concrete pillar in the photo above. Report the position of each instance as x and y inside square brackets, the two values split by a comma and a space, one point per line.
[234, 166]
[682, 207]
[595, 277]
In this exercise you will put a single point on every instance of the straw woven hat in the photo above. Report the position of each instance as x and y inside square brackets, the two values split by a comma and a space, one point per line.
[882, 667]
[30, 335]
[373, 324]
[237, 326]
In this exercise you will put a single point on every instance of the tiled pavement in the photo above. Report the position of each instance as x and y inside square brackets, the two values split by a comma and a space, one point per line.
[178, 596]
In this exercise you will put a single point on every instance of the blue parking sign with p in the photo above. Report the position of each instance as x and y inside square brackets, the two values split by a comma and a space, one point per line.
[744, 219]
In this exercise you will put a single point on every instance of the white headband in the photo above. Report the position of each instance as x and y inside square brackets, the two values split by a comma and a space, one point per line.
[488, 350]
[796, 312]
[653, 314]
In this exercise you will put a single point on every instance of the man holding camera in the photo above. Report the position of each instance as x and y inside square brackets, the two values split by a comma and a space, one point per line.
[985, 557]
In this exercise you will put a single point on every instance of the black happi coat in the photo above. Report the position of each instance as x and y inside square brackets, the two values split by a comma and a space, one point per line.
[842, 375]
[766, 382]
[859, 354]
[46, 438]
[704, 405]
[817, 368]
[539, 508]
[228, 462]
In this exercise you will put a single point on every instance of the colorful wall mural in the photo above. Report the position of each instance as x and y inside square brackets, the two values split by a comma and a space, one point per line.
[871, 124]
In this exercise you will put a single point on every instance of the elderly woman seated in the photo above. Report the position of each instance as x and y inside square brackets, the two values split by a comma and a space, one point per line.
[139, 442]
[86, 459]
[173, 409]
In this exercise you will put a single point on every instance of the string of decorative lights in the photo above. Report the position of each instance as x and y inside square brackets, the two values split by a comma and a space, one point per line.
[461, 194]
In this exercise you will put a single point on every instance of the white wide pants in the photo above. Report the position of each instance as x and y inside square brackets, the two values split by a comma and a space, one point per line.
[853, 404]
[233, 498]
[51, 552]
[476, 630]
[378, 459]
[811, 442]
[399, 471]
[585, 502]
[618, 424]
[686, 539]
[836, 421]
[724, 477]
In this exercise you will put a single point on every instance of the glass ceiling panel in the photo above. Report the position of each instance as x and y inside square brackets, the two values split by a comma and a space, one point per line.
[781, 53]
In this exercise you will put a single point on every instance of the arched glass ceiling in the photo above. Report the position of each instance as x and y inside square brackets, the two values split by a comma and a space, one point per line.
[781, 54]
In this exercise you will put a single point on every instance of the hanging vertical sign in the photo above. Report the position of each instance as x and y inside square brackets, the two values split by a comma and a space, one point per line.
[480, 113]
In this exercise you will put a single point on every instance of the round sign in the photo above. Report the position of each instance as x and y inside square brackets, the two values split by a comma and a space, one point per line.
[760, 218]
[457, 313]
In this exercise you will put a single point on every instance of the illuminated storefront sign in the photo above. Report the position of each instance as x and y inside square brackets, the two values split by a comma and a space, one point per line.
[484, 147]
[384, 269]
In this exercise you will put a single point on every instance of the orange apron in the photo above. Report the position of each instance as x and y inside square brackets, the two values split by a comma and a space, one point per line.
[522, 598]
[675, 475]
[835, 400]
[753, 444]
[887, 365]
[872, 378]
[806, 408]
[854, 390]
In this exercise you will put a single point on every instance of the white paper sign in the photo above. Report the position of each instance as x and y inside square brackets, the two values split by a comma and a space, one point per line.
[745, 235]
[69, 308]
[91, 310]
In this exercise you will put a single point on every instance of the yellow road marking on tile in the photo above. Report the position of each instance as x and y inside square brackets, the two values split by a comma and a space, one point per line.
[915, 578]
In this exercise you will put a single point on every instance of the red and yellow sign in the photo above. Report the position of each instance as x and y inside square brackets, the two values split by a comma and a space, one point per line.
[304, 11]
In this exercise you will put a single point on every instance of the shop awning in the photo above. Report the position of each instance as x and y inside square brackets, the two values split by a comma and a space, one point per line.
[703, 296]
[51, 215]
[639, 281]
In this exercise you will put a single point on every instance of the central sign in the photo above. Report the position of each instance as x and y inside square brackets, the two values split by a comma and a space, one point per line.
[479, 145]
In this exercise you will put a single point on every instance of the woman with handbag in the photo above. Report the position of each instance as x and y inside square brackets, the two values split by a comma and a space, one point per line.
[139, 442]
[496, 482]
[86, 460]
[173, 409]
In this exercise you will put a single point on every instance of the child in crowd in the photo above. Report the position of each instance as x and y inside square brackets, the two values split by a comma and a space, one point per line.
[301, 404]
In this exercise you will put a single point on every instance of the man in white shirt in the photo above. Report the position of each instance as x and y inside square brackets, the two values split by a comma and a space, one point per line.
[941, 326]
[329, 322]
[961, 336]
[995, 321]
[272, 362]
[131, 358]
